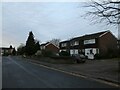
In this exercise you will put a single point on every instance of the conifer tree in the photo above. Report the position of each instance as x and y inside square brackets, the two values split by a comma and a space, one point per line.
[30, 44]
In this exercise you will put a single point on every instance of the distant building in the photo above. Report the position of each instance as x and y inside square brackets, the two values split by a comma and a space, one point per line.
[89, 45]
[6, 50]
[49, 47]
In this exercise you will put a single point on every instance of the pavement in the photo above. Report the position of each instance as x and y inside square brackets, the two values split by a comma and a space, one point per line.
[105, 70]
[21, 73]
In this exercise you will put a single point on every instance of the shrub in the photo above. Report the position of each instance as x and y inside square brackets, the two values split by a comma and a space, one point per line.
[64, 53]
[97, 56]
[47, 53]
[38, 53]
[6, 54]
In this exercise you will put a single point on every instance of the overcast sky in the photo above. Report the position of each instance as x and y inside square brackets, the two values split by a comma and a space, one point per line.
[47, 20]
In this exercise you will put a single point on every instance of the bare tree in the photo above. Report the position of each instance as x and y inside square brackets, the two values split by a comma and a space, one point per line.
[105, 10]
[55, 41]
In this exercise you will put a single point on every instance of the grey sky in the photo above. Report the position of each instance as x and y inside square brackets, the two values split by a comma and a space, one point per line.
[47, 20]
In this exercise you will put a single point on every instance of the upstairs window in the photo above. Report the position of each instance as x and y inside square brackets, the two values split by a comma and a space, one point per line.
[63, 44]
[91, 41]
[74, 43]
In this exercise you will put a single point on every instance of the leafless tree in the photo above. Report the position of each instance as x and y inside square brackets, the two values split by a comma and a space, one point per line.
[105, 10]
[55, 41]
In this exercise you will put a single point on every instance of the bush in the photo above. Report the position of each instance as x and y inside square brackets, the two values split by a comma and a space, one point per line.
[6, 54]
[47, 53]
[64, 53]
[97, 56]
[38, 53]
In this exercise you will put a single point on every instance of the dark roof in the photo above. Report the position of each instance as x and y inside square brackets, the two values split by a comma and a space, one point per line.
[44, 44]
[4, 48]
[65, 41]
[95, 35]
[89, 36]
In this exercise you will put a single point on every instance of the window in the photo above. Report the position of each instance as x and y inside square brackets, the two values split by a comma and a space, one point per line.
[71, 44]
[73, 51]
[63, 50]
[74, 43]
[63, 44]
[91, 41]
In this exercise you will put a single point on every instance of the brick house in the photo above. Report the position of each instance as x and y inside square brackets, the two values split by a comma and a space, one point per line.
[97, 43]
[49, 47]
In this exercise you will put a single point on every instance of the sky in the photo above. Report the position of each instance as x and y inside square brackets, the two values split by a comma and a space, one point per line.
[47, 20]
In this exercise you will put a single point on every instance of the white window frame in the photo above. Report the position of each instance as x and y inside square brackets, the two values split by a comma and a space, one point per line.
[63, 50]
[90, 41]
[63, 44]
[74, 51]
[74, 43]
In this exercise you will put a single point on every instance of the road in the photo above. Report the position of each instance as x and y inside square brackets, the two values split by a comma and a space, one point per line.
[18, 73]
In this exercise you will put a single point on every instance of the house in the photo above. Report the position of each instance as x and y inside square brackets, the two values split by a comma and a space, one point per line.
[49, 47]
[91, 44]
[65, 46]
[118, 44]
[118, 47]
[6, 50]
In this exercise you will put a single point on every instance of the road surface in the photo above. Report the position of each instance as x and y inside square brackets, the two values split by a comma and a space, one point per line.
[18, 73]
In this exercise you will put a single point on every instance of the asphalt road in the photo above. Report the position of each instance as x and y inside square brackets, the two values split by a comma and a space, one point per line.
[18, 73]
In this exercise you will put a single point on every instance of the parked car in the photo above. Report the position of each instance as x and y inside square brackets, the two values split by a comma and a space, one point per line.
[79, 58]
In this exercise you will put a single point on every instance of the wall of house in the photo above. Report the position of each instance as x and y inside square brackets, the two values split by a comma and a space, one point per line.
[52, 48]
[106, 42]
[65, 48]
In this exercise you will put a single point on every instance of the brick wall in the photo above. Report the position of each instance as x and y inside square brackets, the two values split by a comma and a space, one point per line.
[107, 41]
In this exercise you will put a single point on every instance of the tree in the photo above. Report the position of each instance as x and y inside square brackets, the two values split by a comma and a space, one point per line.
[55, 41]
[37, 46]
[21, 49]
[105, 10]
[30, 44]
[14, 51]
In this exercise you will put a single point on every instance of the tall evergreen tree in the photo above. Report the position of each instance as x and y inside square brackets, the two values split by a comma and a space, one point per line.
[30, 44]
